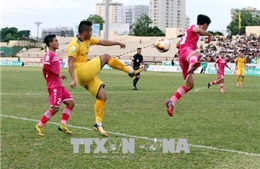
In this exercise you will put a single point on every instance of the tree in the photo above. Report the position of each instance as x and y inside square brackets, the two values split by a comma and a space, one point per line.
[97, 20]
[12, 33]
[142, 27]
[24, 34]
[246, 20]
[216, 33]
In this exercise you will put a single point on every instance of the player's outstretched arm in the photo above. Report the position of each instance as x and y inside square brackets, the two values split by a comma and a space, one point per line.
[71, 70]
[202, 32]
[110, 43]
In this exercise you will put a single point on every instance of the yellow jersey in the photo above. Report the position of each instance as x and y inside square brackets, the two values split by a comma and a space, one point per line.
[80, 49]
[240, 62]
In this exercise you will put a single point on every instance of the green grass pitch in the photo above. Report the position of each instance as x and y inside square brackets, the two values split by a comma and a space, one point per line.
[223, 130]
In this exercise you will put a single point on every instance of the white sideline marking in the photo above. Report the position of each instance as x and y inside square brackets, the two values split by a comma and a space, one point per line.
[200, 88]
[138, 137]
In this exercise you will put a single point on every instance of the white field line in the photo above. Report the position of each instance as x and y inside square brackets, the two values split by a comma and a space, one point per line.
[217, 85]
[134, 92]
[138, 137]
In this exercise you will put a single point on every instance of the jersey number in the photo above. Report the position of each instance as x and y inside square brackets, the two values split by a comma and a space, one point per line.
[183, 39]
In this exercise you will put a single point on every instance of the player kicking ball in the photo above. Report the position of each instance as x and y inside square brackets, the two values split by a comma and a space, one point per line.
[57, 93]
[84, 71]
[220, 65]
[189, 58]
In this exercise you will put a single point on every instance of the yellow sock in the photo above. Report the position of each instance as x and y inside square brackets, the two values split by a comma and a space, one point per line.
[238, 79]
[117, 64]
[242, 79]
[99, 111]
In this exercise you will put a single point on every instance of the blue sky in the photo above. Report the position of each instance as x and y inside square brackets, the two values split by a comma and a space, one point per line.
[56, 13]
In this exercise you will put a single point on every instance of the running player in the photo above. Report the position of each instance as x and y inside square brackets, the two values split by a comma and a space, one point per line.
[189, 58]
[220, 65]
[137, 61]
[85, 72]
[240, 68]
[57, 93]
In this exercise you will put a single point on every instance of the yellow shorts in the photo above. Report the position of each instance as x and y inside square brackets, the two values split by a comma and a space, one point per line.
[241, 72]
[86, 75]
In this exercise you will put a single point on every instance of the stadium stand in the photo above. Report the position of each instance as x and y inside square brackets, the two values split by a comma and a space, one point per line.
[209, 51]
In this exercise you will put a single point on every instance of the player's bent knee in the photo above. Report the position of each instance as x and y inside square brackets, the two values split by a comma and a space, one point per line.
[71, 104]
[105, 57]
[101, 95]
[55, 109]
[189, 87]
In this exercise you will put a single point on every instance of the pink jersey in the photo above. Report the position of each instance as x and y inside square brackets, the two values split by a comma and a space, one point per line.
[221, 65]
[189, 39]
[52, 59]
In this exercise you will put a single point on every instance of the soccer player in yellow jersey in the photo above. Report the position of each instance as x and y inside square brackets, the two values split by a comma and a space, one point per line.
[85, 72]
[240, 68]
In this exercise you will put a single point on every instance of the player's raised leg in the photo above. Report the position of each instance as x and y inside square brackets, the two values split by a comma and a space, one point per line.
[117, 64]
[194, 62]
[213, 83]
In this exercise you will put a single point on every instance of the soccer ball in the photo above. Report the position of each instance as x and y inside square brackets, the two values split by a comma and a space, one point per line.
[162, 45]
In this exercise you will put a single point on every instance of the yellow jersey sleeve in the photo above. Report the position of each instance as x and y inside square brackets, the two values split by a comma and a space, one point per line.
[73, 49]
[94, 41]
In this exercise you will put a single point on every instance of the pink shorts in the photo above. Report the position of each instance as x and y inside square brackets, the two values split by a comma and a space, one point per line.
[58, 95]
[184, 64]
[220, 76]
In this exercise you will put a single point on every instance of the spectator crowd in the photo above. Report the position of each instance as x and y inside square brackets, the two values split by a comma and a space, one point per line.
[248, 44]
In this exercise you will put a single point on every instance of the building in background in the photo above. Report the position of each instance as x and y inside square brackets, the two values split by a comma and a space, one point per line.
[187, 22]
[119, 28]
[252, 10]
[130, 14]
[100, 10]
[168, 14]
[58, 31]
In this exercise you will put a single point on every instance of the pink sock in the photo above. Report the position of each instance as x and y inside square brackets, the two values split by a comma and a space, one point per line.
[221, 85]
[212, 83]
[193, 59]
[45, 118]
[65, 115]
[178, 94]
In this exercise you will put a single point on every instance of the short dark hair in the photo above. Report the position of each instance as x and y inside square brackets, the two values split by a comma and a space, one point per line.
[83, 26]
[139, 48]
[179, 36]
[49, 38]
[202, 19]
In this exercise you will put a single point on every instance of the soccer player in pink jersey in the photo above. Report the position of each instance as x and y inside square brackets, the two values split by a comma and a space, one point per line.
[189, 58]
[220, 65]
[57, 93]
